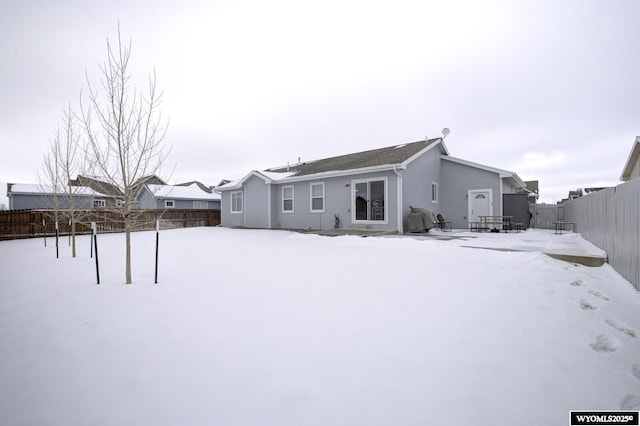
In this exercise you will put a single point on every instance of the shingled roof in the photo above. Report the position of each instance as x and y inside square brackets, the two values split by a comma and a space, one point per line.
[390, 155]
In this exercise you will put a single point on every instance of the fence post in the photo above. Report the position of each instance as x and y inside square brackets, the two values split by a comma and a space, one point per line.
[157, 243]
[95, 242]
[44, 231]
[57, 234]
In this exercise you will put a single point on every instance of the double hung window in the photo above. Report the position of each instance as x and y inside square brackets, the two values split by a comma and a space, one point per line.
[236, 202]
[287, 199]
[317, 197]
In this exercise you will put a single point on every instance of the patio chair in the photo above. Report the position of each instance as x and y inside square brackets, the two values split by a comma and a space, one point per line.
[441, 224]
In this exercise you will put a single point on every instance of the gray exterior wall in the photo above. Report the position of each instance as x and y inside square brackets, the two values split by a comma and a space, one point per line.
[256, 203]
[39, 201]
[148, 202]
[457, 180]
[226, 217]
[416, 183]
[337, 201]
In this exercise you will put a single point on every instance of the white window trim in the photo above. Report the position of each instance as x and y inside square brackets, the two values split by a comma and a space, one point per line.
[292, 199]
[231, 202]
[434, 192]
[386, 201]
[311, 197]
[167, 202]
[99, 204]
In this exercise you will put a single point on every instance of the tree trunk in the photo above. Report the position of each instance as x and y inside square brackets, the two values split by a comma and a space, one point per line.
[73, 238]
[127, 231]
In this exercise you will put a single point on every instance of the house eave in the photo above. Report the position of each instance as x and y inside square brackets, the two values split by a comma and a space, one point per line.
[631, 160]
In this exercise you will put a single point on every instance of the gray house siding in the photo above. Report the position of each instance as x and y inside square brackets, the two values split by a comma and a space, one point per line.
[337, 194]
[149, 202]
[226, 217]
[146, 200]
[256, 203]
[457, 180]
[39, 201]
[416, 183]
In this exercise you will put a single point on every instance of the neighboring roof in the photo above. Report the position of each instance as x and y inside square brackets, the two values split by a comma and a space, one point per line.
[37, 189]
[98, 184]
[634, 157]
[506, 174]
[104, 186]
[202, 186]
[375, 159]
[191, 192]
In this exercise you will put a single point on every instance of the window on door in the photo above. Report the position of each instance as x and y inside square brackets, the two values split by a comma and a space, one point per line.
[369, 200]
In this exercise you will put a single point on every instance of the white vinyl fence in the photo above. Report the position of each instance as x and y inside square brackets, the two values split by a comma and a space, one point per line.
[610, 219]
[544, 216]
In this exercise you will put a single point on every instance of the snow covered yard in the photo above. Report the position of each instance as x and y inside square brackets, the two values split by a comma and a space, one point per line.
[277, 328]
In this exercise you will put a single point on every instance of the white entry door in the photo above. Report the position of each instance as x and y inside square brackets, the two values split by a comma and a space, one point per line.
[480, 202]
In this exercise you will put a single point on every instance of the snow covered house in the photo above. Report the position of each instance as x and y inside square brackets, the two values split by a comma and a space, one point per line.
[368, 190]
[631, 169]
[192, 195]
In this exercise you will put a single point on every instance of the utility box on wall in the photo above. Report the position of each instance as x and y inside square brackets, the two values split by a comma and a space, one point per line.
[517, 205]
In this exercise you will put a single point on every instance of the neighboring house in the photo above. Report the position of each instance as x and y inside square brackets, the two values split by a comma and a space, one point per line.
[631, 169]
[192, 195]
[368, 190]
[24, 196]
[110, 194]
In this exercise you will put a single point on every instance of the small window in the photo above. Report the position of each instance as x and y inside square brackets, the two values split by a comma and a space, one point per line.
[119, 203]
[200, 205]
[169, 204]
[287, 199]
[434, 192]
[317, 197]
[236, 202]
[99, 203]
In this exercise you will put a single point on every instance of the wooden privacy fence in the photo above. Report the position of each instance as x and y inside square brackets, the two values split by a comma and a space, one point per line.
[36, 223]
[610, 219]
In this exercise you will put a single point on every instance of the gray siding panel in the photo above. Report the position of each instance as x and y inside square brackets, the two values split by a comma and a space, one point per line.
[226, 217]
[36, 201]
[256, 203]
[416, 182]
[457, 180]
[337, 201]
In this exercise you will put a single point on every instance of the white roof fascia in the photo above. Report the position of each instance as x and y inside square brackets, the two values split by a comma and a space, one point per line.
[237, 184]
[633, 157]
[324, 175]
[338, 173]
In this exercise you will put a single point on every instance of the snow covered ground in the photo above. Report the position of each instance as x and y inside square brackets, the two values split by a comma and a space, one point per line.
[252, 327]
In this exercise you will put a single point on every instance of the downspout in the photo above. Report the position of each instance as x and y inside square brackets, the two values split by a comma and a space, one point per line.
[399, 191]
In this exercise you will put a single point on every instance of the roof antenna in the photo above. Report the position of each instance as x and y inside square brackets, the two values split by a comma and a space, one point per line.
[445, 132]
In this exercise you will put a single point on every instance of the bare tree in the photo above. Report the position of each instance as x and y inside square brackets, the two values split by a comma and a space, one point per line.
[65, 159]
[125, 132]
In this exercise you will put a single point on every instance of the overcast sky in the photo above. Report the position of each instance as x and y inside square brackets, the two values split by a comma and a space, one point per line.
[549, 89]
